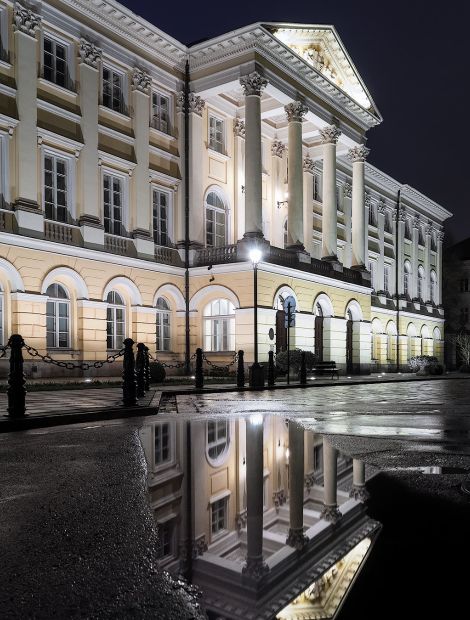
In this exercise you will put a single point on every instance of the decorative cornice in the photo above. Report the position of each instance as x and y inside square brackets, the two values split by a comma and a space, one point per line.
[295, 111]
[358, 153]
[141, 80]
[253, 83]
[309, 165]
[89, 53]
[239, 128]
[25, 20]
[278, 148]
[347, 189]
[330, 134]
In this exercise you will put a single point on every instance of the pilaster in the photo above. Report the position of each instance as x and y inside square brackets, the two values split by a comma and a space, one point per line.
[329, 137]
[295, 227]
[358, 156]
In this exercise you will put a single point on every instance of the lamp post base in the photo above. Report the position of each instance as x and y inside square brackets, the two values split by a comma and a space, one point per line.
[256, 376]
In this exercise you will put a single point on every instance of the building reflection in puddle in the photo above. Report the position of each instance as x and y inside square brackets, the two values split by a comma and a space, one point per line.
[265, 517]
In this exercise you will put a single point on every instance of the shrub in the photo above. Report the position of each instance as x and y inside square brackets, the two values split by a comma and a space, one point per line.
[157, 372]
[294, 360]
[422, 362]
[436, 369]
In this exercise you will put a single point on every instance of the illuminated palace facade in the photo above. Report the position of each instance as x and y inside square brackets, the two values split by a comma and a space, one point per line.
[137, 173]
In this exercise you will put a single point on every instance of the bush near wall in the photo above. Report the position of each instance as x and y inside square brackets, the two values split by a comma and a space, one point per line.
[294, 360]
[425, 364]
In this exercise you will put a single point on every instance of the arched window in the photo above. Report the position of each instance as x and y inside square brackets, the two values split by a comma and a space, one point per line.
[420, 282]
[391, 341]
[411, 335]
[217, 440]
[115, 321]
[286, 238]
[407, 278]
[432, 287]
[163, 325]
[57, 317]
[216, 226]
[1, 316]
[219, 326]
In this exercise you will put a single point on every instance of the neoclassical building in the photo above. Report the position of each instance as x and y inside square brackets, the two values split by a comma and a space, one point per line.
[137, 174]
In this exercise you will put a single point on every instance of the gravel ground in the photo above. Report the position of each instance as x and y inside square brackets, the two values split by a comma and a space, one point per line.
[77, 538]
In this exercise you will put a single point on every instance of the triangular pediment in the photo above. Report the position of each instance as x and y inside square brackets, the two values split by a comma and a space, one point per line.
[321, 48]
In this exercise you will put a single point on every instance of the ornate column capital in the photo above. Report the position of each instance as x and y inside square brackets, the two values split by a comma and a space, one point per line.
[89, 53]
[295, 111]
[308, 165]
[25, 20]
[331, 513]
[255, 568]
[440, 236]
[253, 84]
[347, 189]
[141, 80]
[196, 103]
[296, 538]
[368, 200]
[381, 207]
[429, 228]
[358, 153]
[359, 493]
[278, 148]
[239, 128]
[330, 134]
[416, 222]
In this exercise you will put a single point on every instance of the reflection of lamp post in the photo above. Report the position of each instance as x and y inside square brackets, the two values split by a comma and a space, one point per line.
[256, 370]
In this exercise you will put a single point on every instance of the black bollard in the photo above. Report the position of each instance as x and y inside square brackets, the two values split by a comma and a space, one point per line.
[147, 369]
[241, 370]
[271, 369]
[16, 380]
[129, 385]
[140, 369]
[199, 373]
[303, 369]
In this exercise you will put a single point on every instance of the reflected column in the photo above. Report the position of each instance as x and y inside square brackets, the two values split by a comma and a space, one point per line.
[330, 510]
[255, 566]
[358, 489]
[296, 537]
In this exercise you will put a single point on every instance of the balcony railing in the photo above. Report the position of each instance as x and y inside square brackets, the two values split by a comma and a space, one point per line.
[217, 255]
[116, 245]
[167, 256]
[59, 232]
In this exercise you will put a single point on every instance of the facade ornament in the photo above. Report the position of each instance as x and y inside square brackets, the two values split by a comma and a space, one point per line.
[296, 538]
[278, 148]
[239, 128]
[196, 103]
[295, 111]
[440, 236]
[331, 513]
[255, 568]
[253, 84]
[416, 222]
[429, 228]
[309, 165]
[368, 200]
[141, 80]
[240, 520]
[381, 207]
[279, 498]
[358, 153]
[347, 189]
[330, 134]
[25, 20]
[309, 481]
[199, 546]
[89, 53]
[359, 493]
[401, 215]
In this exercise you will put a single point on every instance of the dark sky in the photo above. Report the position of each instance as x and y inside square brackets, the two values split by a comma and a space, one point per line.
[414, 58]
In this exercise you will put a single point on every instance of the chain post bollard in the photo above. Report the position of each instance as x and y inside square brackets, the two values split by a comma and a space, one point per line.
[199, 373]
[140, 369]
[147, 369]
[271, 373]
[16, 379]
[241, 369]
[129, 385]
[303, 369]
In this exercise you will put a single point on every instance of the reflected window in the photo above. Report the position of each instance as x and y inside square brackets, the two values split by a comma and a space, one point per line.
[165, 533]
[218, 439]
[162, 444]
[219, 326]
[219, 516]
[115, 321]
[57, 317]
[163, 325]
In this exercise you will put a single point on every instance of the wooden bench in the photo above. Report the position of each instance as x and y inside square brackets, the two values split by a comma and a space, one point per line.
[326, 368]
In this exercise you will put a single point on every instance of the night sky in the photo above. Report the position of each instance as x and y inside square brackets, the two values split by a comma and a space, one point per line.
[414, 60]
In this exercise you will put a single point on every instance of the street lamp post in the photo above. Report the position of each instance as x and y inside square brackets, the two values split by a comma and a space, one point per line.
[256, 370]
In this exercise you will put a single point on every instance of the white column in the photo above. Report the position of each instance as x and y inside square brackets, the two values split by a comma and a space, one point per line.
[399, 251]
[239, 168]
[141, 210]
[414, 256]
[296, 537]
[89, 213]
[329, 137]
[381, 212]
[358, 489]
[295, 217]
[28, 214]
[253, 85]
[255, 566]
[330, 510]
[427, 262]
[196, 192]
[440, 239]
[308, 167]
[358, 156]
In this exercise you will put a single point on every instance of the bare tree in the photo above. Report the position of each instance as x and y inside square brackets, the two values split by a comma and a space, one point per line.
[462, 344]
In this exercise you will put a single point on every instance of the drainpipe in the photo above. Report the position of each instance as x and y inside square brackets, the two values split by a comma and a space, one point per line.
[187, 352]
[397, 226]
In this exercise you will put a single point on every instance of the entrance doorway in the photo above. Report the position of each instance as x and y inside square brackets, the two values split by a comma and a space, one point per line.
[281, 331]
[319, 332]
[349, 342]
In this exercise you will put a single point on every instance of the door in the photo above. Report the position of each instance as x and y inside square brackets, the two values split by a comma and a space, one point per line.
[281, 331]
[319, 338]
[349, 346]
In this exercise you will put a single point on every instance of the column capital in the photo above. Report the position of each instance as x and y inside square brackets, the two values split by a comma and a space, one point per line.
[429, 228]
[308, 165]
[381, 207]
[359, 493]
[330, 134]
[196, 103]
[141, 80]
[416, 222]
[253, 83]
[358, 153]
[331, 513]
[278, 148]
[255, 568]
[296, 538]
[295, 111]
[89, 53]
[347, 189]
[440, 236]
[25, 20]
[239, 128]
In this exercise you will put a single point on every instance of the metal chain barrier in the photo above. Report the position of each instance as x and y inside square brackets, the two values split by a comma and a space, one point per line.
[72, 365]
[220, 368]
[3, 351]
[175, 365]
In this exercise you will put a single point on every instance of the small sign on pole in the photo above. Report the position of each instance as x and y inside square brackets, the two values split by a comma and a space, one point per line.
[289, 310]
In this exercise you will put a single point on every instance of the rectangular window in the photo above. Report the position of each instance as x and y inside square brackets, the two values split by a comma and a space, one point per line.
[215, 228]
[216, 134]
[165, 539]
[160, 217]
[57, 324]
[55, 188]
[386, 278]
[113, 89]
[220, 334]
[162, 443]
[316, 187]
[219, 516]
[112, 204]
[55, 62]
[161, 112]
